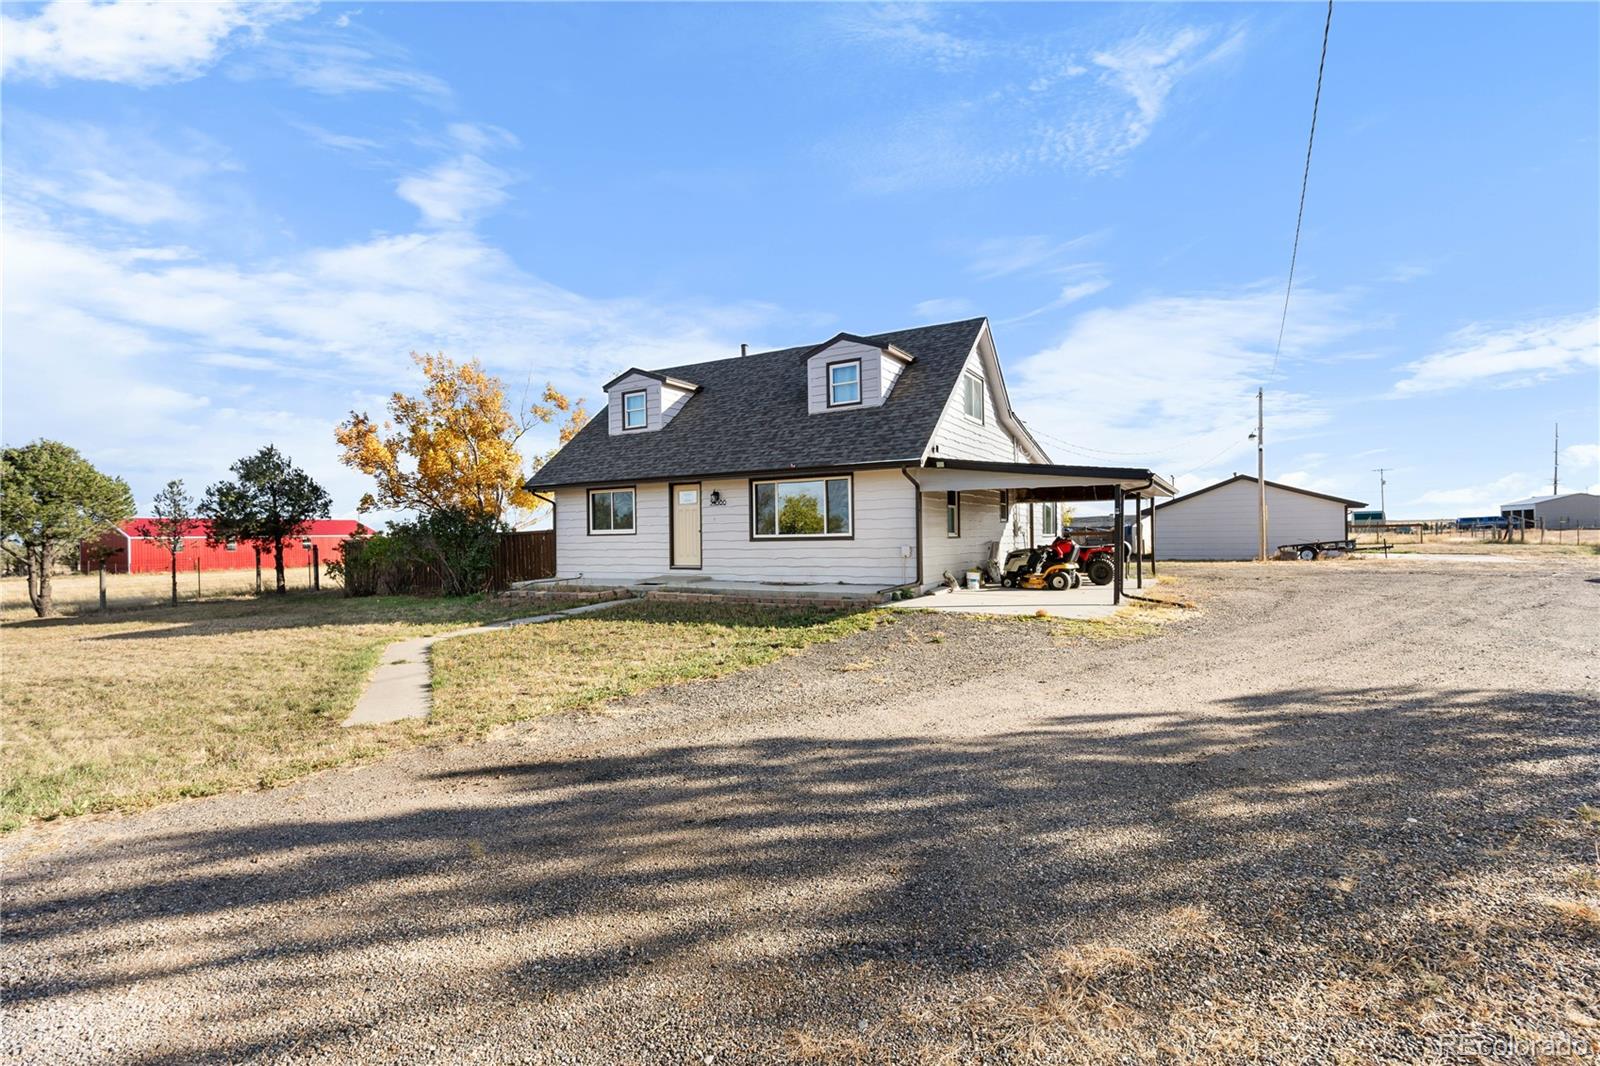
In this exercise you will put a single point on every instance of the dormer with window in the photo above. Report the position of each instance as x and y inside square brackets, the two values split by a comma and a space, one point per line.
[642, 401]
[850, 372]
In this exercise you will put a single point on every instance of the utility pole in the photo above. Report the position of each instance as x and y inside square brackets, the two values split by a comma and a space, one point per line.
[1383, 507]
[1555, 478]
[1261, 475]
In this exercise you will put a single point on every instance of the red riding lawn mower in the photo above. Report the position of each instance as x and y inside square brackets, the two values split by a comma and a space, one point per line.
[1052, 567]
[1063, 564]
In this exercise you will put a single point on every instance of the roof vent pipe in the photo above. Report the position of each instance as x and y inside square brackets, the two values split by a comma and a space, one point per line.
[744, 350]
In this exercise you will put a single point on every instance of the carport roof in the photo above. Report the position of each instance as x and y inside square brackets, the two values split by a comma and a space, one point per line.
[1042, 481]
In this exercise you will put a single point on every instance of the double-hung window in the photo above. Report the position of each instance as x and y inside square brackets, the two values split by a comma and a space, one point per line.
[810, 507]
[972, 396]
[610, 511]
[952, 514]
[633, 409]
[844, 383]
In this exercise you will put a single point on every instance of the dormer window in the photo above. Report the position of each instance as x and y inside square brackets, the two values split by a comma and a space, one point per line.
[633, 409]
[844, 383]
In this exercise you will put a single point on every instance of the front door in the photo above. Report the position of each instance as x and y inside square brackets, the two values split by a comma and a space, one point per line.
[686, 525]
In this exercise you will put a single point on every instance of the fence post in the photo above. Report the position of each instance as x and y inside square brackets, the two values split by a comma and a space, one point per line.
[102, 586]
[197, 579]
[316, 568]
[258, 571]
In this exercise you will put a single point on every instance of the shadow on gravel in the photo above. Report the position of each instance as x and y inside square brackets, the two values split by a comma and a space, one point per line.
[1285, 815]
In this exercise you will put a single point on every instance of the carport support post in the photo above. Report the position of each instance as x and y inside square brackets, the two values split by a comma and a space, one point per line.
[1152, 538]
[1117, 554]
[1138, 540]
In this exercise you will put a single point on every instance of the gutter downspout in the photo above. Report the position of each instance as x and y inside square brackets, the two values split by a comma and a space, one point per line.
[917, 513]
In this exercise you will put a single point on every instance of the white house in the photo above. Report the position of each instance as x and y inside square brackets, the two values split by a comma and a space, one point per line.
[883, 460]
[1222, 521]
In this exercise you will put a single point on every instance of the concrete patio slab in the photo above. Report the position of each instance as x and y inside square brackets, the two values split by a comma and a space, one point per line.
[1085, 602]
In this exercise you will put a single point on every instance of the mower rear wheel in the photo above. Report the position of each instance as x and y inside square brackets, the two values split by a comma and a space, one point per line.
[1008, 582]
[1058, 580]
[1101, 572]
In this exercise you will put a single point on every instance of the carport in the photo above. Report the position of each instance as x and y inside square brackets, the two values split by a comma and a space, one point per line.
[1049, 483]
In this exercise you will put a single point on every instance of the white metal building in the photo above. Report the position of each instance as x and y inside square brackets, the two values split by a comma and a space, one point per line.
[1220, 521]
[1572, 510]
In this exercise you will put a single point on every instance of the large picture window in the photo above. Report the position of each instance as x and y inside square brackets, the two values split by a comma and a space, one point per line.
[844, 383]
[972, 398]
[610, 511]
[633, 409]
[818, 507]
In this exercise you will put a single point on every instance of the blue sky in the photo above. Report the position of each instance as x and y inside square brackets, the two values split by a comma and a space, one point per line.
[227, 224]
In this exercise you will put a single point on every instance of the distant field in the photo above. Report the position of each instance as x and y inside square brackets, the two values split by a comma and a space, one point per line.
[1556, 542]
[80, 593]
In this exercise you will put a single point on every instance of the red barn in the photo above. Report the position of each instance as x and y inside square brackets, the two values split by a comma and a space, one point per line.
[129, 551]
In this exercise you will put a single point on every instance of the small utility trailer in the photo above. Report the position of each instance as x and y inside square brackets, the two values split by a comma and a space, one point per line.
[1314, 549]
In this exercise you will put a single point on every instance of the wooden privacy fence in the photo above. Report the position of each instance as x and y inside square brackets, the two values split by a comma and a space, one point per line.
[521, 556]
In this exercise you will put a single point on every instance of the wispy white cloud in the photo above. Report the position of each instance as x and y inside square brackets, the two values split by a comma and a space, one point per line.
[337, 60]
[1069, 294]
[457, 191]
[1169, 381]
[1074, 109]
[950, 308]
[315, 332]
[128, 177]
[1478, 498]
[132, 42]
[1508, 357]
[914, 31]
[998, 257]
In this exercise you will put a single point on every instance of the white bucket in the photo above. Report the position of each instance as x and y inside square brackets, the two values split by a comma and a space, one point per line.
[974, 579]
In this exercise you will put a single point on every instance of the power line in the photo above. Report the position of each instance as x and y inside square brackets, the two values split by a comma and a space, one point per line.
[1202, 465]
[1305, 179]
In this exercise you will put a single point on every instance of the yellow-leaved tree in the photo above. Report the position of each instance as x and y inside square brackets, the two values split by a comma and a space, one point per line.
[454, 448]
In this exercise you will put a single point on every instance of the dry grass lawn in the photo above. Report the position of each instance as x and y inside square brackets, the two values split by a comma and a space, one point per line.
[122, 711]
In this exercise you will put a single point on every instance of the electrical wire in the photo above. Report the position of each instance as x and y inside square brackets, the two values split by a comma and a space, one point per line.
[1207, 462]
[1305, 179]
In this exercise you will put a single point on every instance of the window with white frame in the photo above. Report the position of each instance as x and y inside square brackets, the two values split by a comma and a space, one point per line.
[952, 514]
[1050, 519]
[972, 396]
[610, 511]
[633, 409]
[844, 383]
[809, 507]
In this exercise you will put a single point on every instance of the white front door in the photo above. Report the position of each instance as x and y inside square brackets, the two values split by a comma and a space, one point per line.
[686, 525]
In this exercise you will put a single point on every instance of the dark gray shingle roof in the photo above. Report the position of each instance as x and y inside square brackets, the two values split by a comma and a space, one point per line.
[750, 416]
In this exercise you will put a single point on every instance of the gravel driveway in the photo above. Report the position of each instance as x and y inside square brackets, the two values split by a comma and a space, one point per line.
[1337, 814]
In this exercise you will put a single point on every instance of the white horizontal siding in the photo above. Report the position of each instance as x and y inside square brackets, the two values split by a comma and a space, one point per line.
[881, 552]
[960, 437]
[981, 525]
[1222, 523]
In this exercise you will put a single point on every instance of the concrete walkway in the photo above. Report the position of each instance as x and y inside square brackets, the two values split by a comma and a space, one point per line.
[401, 685]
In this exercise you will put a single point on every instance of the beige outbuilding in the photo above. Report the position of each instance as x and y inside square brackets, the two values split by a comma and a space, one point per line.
[1220, 521]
